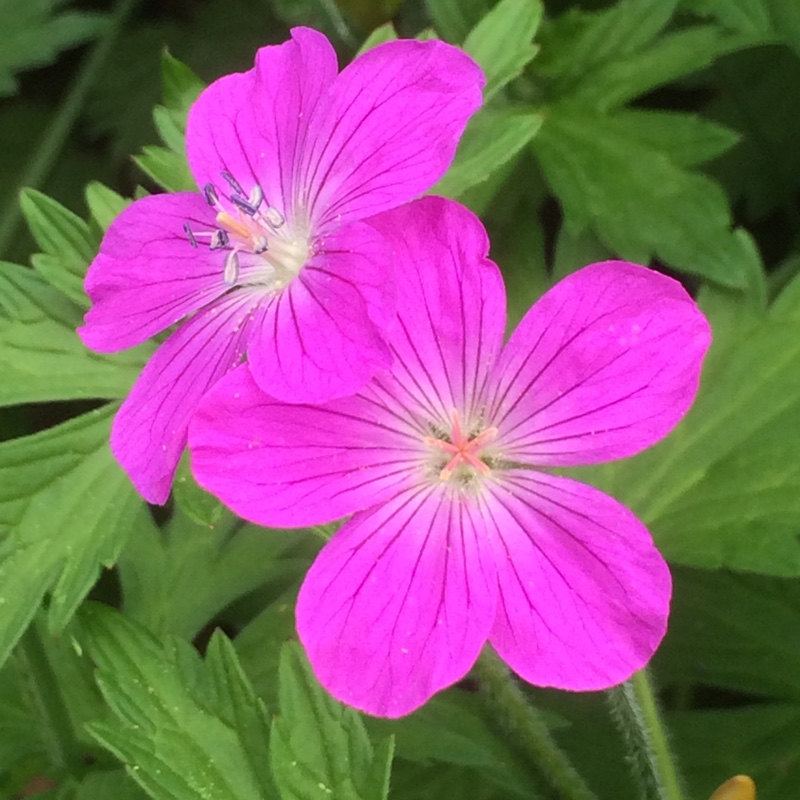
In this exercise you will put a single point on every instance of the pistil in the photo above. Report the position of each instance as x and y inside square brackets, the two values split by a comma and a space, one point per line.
[461, 448]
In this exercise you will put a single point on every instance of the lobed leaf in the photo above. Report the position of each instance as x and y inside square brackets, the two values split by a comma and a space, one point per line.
[319, 747]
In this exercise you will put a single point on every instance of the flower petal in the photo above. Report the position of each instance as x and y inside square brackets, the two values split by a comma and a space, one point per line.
[253, 124]
[388, 128]
[148, 275]
[399, 602]
[150, 429]
[321, 338]
[286, 465]
[451, 306]
[584, 594]
[602, 367]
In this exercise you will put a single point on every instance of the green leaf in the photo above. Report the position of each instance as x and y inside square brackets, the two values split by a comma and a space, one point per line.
[242, 708]
[492, 139]
[381, 35]
[455, 18]
[202, 507]
[104, 204]
[41, 357]
[502, 42]
[66, 509]
[181, 86]
[671, 57]
[735, 632]
[173, 745]
[759, 741]
[176, 582]
[67, 244]
[107, 784]
[688, 140]
[34, 34]
[638, 201]
[167, 168]
[319, 747]
[724, 489]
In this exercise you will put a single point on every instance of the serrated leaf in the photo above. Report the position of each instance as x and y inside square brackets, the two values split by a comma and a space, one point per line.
[172, 744]
[34, 33]
[671, 57]
[242, 708]
[638, 201]
[176, 582]
[41, 356]
[66, 242]
[104, 204]
[492, 139]
[687, 139]
[66, 509]
[167, 168]
[502, 42]
[180, 85]
[319, 747]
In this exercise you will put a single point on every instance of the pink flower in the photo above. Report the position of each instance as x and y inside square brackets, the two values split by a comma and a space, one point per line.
[460, 532]
[271, 259]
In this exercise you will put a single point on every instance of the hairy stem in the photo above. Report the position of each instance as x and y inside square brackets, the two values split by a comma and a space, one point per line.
[506, 702]
[635, 711]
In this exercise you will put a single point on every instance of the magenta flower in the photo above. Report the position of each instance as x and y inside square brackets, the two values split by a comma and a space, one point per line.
[271, 259]
[460, 533]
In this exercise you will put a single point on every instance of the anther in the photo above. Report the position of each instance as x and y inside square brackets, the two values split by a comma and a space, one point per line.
[232, 182]
[189, 235]
[231, 272]
[219, 239]
[274, 217]
[210, 191]
[256, 196]
[260, 244]
[244, 206]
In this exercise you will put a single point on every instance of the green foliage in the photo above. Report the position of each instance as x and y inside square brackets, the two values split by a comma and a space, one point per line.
[502, 41]
[36, 31]
[319, 747]
[66, 509]
[640, 202]
[174, 722]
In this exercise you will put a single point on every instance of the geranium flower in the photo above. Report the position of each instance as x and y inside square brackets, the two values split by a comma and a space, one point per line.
[460, 532]
[271, 258]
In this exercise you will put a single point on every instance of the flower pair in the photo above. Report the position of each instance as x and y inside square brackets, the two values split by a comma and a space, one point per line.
[395, 400]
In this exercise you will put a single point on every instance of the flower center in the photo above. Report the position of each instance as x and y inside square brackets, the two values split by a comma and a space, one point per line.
[260, 248]
[463, 450]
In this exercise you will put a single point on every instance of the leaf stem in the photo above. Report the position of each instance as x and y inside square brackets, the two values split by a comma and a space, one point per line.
[52, 142]
[507, 703]
[57, 731]
[635, 711]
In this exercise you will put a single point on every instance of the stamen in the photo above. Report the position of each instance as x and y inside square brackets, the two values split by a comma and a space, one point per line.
[274, 217]
[189, 235]
[256, 196]
[210, 191]
[244, 206]
[219, 240]
[260, 244]
[232, 182]
[233, 225]
[231, 272]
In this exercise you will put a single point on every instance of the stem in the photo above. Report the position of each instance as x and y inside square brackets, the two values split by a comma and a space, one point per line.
[52, 142]
[508, 704]
[58, 734]
[636, 714]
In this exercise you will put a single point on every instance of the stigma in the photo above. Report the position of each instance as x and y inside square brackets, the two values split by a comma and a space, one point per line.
[463, 450]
